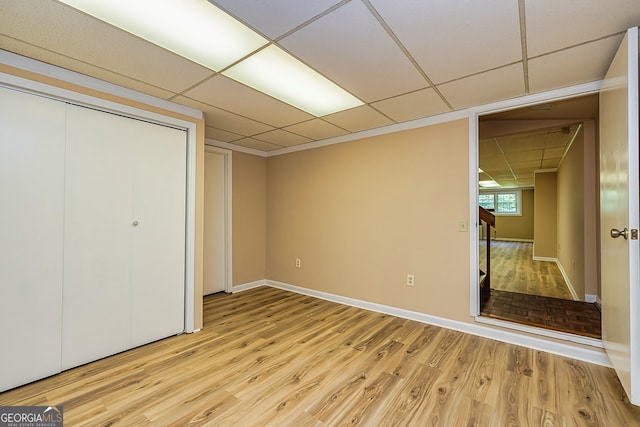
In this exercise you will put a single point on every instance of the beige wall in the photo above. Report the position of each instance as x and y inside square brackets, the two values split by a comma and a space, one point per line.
[591, 210]
[544, 218]
[517, 227]
[570, 215]
[577, 213]
[249, 217]
[362, 215]
[198, 250]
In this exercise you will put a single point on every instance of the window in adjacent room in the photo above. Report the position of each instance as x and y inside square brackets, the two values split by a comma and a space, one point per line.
[504, 202]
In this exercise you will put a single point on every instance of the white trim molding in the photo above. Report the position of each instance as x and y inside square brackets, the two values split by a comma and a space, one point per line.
[38, 67]
[248, 286]
[572, 290]
[229, 146]
[544, 258]
[593, 355]
[228, 214]
[473, 114]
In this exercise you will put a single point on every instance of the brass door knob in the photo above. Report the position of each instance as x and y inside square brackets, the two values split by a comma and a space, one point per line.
[615, 233]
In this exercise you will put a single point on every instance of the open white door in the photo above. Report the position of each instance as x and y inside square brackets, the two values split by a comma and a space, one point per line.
[619, 215]
[217, 221]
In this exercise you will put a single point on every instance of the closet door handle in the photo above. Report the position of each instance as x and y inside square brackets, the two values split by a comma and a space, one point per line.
[135, 223]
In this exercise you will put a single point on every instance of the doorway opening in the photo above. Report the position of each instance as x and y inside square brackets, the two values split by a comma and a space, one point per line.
[538, 197]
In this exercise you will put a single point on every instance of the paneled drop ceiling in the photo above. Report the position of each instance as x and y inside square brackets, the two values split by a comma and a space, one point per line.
[514, 144]
[405, 59]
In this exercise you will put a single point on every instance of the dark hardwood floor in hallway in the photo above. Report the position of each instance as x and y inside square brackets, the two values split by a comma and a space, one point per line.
[534, 293]
[575, 317]
[267, 357]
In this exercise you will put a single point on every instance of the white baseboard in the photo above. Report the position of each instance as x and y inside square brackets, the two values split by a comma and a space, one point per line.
[573, 292]
[545, 258]
[590, 298]
[247, 286]
[508, 239]
[592, 355]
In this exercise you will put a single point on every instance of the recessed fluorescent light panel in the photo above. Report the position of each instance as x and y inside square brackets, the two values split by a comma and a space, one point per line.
[194, 29]
[201, 32]
[275, 72]
[488, 184]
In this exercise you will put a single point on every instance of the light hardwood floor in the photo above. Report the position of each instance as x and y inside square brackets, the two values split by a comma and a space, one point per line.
[268, 357]
[513, 269]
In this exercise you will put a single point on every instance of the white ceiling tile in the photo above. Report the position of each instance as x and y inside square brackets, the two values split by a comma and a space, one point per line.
[503, 83]
[235, 97]
[503, 175]
[316, 129]
[550, 153]
[553, 24]
[414, 105]
[550, 163]
[518, 167]
[490, 153]
[64, 30]
[274, 18]
[455, 38]
[282, 138]
[359, 118]
[256, 144]
[225, 120]
[515, 143]
[347, 46]
[523, 156]
[556, 139]
[220, 135]
[493, 166]
[489, 163]
[585, 63]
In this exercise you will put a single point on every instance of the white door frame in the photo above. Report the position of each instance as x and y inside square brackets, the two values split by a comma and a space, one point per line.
[59, 93]
[474, 114]
[228, 210]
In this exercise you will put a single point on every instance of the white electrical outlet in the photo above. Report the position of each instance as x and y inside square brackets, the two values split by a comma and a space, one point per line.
[411, 279]
[298, 263]
[462, 226]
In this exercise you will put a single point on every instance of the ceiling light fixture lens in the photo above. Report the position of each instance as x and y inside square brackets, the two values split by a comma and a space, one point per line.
[277, 73]
[193, 29]
[488, 184]
[201, 32]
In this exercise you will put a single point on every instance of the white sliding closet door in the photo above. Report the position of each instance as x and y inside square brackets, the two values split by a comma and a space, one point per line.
[31, 218]
[124, 234]
[97, 236]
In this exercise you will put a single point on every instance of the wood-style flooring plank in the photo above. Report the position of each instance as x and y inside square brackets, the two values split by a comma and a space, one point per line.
[267, 357]
[513, 269]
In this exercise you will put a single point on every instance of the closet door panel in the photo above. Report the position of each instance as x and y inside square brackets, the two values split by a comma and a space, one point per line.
[31, 220]
[97, 236]
[159, 239]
